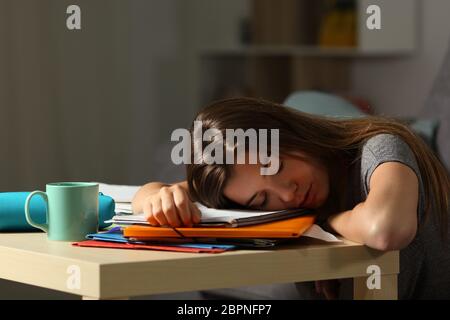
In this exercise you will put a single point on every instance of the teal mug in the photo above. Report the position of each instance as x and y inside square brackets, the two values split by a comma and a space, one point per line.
[72, 210]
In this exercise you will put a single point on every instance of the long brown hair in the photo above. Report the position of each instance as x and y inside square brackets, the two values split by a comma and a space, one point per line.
[333, 141]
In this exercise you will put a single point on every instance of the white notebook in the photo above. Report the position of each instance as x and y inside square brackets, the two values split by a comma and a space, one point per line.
[213, 217]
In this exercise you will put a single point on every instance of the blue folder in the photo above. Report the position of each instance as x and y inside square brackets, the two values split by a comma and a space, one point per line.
[116, 235]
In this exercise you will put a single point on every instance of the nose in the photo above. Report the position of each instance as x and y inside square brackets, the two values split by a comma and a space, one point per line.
[287, 192]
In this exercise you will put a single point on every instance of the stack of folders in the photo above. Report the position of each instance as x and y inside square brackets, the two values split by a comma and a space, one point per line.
[218, 231]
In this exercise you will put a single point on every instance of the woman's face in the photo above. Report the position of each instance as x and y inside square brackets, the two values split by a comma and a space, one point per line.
[298, 184]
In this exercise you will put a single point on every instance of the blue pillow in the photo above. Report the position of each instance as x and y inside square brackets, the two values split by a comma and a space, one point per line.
[322, 104]
[325, 104]
[427, 129]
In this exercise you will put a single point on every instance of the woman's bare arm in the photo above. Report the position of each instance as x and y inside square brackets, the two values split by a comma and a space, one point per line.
[387, 219]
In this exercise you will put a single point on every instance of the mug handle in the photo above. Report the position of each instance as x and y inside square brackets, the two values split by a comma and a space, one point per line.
[43, 226]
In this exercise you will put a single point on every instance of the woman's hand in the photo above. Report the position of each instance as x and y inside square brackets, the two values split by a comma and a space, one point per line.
[329, 288]
[171, 206]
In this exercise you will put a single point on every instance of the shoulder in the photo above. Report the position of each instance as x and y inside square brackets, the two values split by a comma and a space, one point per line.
[386, 145]
[383, 148]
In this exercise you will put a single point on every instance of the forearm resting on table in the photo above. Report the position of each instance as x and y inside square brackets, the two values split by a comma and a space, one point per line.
[378, 230]
[147, 190]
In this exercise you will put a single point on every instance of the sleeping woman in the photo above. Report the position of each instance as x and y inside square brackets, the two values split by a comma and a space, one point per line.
[370, 180]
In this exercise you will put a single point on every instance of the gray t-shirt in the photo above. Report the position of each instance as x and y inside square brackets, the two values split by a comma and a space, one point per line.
[424, 263]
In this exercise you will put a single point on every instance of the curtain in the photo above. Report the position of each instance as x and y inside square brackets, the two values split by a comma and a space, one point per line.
[64, 95]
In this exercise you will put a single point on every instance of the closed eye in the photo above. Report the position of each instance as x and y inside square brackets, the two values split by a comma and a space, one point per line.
[264, 203]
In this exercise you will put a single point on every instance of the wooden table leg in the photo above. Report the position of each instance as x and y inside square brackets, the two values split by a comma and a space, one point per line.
[388, 289]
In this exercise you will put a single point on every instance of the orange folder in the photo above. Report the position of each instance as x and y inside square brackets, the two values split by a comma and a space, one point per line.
[289, 228]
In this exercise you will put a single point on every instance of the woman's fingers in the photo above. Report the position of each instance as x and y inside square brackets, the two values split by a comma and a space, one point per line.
[181, 201]
[149, 216]
[148, 212]
[195, 213]
[158, 212]
[169, 208]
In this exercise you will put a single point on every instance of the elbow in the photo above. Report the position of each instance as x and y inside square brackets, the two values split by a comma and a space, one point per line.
[391, 239]
[384, 243]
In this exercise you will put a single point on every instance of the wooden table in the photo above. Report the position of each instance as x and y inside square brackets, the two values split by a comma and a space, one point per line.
[95, 273]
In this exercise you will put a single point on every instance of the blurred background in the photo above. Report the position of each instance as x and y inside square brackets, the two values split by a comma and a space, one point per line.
[100, 103]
